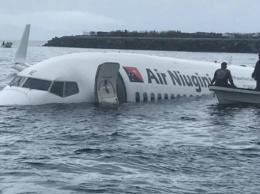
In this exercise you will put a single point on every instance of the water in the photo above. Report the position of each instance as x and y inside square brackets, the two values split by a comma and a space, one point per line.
[183, 146]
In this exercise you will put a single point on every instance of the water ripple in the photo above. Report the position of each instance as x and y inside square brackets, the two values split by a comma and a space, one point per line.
[189, 145]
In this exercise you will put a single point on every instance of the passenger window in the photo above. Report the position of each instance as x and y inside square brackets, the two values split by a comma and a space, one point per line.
[71, 88]
[57, 88]
[145, 97]
[137, 97]
[37, 84]
[159, 96]
[152, 97]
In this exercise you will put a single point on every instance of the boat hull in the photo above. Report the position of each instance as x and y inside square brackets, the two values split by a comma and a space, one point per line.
[235, 95]
[7, 45]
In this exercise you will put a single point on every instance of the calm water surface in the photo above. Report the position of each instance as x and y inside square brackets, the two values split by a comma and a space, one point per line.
[183, 146]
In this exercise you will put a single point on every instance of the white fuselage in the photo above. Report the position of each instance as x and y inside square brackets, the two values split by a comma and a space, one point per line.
[157, 78]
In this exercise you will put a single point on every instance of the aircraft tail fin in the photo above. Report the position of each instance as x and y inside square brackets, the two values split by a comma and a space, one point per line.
[19, 59]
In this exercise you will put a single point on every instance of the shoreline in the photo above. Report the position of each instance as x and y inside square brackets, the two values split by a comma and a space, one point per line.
[229, 45]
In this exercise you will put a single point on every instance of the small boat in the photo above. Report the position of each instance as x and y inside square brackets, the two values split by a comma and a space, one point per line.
[7, 44]
[228, 95]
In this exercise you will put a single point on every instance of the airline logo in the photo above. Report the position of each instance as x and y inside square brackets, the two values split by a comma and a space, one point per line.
[133, 74]
[169, 77]
[177, 79]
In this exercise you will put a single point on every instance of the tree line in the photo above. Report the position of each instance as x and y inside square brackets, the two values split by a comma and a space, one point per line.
[167, 34]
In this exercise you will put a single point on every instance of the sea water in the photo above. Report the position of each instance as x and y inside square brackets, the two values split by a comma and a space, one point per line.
[184, 146]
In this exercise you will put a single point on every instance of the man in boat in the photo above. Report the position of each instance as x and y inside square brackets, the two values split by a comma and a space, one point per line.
[222, 76]
[256, 73]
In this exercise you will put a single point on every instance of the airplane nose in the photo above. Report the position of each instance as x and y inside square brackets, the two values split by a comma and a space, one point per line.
[13, 97]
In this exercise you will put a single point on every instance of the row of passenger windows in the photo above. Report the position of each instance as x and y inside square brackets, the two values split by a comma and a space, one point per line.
[152, 97]
[59, 88]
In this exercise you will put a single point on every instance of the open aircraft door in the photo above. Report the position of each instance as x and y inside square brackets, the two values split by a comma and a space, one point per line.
[105, 83]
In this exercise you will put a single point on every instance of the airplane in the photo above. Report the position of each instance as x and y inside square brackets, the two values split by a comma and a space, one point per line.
[110, 78]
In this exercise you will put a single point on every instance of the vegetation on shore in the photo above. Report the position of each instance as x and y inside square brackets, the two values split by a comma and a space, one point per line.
[168, 41]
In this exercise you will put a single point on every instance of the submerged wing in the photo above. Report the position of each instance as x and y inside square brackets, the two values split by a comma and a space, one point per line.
[19, 59]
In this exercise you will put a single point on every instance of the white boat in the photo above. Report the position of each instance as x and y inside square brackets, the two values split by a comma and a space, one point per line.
[227, 95]
[7, 44]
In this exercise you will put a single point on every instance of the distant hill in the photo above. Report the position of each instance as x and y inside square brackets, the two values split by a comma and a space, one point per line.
[168, 41]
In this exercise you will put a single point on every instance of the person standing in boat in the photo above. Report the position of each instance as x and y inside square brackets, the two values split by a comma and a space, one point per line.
[256, 73]
[222, 76]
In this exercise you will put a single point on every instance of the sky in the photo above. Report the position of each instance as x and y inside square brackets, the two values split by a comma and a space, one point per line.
[57, 18]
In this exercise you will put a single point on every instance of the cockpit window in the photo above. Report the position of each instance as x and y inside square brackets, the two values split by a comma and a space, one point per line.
[64, 89]
[37, 84]
[71, 88]
[57, 88]
[17, 81]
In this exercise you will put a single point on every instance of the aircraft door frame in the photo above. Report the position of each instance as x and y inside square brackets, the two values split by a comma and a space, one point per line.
[106, 83]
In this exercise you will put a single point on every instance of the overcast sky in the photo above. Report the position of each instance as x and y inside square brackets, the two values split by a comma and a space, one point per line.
[51, 18]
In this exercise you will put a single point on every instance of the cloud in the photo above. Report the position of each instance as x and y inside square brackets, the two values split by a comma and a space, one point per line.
[59, 23]
[62, 20]
[52, 18]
